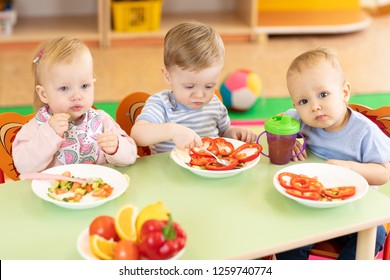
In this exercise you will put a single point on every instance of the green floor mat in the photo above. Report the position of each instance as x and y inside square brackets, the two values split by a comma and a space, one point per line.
[263, 108]
[267, 107]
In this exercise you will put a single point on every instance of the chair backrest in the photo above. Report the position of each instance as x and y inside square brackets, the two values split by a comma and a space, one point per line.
[380, 116]
[10, 124]
[218, 94]
[128, 110]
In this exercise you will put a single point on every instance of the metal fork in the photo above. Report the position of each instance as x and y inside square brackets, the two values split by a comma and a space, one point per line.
[219, 160]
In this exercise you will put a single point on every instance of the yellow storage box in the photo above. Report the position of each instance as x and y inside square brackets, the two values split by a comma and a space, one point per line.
[136, 16]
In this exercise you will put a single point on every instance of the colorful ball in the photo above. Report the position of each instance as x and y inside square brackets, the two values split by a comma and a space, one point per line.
[240, 90]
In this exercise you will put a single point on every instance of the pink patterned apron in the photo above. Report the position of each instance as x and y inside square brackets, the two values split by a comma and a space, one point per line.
[80, 143]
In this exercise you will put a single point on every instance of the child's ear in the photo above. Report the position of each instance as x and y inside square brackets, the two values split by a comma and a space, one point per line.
[346, 91]
[166, 76]
[41, 93]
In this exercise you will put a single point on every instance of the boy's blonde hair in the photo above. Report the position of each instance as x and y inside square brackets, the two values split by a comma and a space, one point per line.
[52, 52]
[194, 46]
[313, 57]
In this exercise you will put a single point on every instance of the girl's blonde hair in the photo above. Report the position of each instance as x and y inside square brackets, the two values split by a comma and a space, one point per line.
[194, 46]
[52, 52]
[313, 57]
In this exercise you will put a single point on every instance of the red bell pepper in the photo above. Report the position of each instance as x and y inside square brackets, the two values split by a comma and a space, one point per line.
[200, 160]
[305, 187]
[284, 179]
[161, 240]
[215, 166]
[306, 184]
[209, 144]
[340, 192]
[304, 195]
[225, 148]
[247, 152]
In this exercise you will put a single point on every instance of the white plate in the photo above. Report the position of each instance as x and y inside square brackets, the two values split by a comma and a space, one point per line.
[85, 251]
[330, 176]
[112, 177]
[215, 174]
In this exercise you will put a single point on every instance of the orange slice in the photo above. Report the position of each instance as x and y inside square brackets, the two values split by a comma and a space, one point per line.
[156, 211]
[101, 247]
[125, 222]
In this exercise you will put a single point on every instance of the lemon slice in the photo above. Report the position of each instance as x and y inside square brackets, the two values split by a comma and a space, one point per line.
[125, 222]
[101, 247]
[156, 211]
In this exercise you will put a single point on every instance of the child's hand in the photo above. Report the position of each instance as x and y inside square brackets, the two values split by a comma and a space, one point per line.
[108, 142]
[297, 148]
[240, 133]
[186, 138]
[59, 123]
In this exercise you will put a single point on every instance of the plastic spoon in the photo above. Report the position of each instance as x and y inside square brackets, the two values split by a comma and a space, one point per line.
[46, 176]
[219, 160]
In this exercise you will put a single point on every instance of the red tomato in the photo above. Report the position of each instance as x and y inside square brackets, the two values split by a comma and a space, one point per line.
[126, 250]
[105, 227]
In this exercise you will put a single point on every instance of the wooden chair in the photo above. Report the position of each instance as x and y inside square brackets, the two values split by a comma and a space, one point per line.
[128, 110]
[381, 117]
[10, 124]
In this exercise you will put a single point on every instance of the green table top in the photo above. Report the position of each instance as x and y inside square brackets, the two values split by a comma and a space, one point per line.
[242, 216]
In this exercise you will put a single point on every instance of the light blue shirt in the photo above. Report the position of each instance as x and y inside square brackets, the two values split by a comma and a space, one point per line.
[360, 140]
[210, 121]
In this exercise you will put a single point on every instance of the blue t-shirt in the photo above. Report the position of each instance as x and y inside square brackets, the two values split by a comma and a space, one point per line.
[360, 140]
[210, 121]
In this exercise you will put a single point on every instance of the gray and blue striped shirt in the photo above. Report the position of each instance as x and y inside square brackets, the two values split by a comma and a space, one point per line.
[209, 121]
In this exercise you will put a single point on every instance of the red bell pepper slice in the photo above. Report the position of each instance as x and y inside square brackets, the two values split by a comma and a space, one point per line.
[225, 148]
[340, 192]
[208, 144]
[200, 160]
[199, 151]
[284, 179]
[305, 187]
[306, 184]
[247, 152]
[304, 195]
[217, 166]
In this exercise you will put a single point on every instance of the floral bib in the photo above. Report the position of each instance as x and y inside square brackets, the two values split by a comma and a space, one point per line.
[80, 143]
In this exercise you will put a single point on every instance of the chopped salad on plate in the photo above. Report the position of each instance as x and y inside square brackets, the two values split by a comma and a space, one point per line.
[68, 191]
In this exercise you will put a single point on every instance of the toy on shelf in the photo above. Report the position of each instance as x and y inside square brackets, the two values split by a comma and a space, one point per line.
[240, 90]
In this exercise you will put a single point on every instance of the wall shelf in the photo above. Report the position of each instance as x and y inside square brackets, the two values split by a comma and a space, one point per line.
[37, 29]
[237, 24]
[228, 25]
[243, 23]
[312, 22]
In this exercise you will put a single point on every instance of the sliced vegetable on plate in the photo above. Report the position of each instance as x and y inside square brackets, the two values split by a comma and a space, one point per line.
[70, 191]
[102, 185]
[242, 156]
[223, 149]
[305, 187]
[320, 185]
